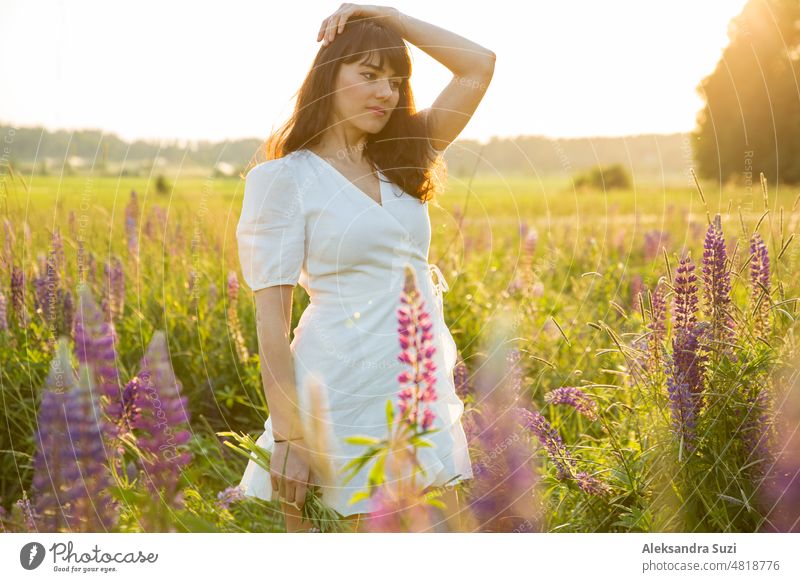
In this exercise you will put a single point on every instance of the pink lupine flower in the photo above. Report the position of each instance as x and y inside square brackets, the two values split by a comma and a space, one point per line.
[418, 384]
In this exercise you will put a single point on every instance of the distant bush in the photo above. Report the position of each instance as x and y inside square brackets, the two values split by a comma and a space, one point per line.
[162, 185]
[609, 177]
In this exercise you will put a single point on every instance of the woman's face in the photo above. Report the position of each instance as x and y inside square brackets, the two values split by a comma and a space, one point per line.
[361, 87]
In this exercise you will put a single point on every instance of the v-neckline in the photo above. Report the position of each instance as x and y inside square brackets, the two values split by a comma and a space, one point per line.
[346, 179]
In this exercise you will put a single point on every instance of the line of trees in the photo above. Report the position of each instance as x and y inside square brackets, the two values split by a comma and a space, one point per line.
[751, 119]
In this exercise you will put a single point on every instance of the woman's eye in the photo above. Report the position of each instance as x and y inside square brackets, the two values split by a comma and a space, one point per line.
[395, 84]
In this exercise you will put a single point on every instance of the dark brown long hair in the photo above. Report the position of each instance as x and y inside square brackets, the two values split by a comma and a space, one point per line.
[401, 150]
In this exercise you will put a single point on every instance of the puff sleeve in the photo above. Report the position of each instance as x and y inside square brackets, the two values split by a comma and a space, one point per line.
[271, 229]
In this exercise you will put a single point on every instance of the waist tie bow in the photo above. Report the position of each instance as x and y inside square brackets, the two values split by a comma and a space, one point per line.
[440, 285]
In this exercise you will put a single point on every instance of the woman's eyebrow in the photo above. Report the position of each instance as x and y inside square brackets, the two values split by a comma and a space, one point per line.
[374, 67]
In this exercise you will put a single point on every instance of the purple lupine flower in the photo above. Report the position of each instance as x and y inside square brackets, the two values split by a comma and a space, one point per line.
[131, 224]
[230, 495]
[461, 378]
[760, 282]
[18, 295]
[550, 440]
[95, 344]
[28, 512]
[71, 478]
[717, 286]
[591, 484]
[3, 312]
[418, 385]
[574, 397]
[685, 301]
[128, 411]
[685, 381]
[114, 288]
[161, 419]
[566, 465]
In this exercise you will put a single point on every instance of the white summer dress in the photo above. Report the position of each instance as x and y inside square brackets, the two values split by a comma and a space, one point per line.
[304, 222]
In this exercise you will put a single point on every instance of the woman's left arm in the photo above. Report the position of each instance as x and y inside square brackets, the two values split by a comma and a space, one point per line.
[471, 64]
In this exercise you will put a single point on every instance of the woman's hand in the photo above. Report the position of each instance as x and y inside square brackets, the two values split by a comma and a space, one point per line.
[335, 22]
[289, 472]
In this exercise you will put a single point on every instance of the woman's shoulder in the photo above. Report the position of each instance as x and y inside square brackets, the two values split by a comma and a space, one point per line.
[267, 167]
[273, 182]
[285, 170]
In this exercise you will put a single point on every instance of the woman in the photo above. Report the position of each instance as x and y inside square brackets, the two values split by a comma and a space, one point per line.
[340, 206]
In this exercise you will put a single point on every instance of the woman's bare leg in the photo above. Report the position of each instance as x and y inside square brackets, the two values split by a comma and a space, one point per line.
[294, 519]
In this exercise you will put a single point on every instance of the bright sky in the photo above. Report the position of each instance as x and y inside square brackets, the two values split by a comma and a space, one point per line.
[214, 70]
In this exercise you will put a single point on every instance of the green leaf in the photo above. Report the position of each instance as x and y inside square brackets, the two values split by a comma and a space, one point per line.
[419, 442]
[358, 497]
[437, 503]
[362, 440]
[389, 412]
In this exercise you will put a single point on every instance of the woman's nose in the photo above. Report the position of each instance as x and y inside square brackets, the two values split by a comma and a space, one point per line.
[385, 89]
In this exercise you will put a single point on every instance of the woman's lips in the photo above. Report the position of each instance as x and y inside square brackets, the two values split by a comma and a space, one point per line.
[377, 111]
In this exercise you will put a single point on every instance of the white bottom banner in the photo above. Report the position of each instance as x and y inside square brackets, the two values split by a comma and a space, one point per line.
[386, 556]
